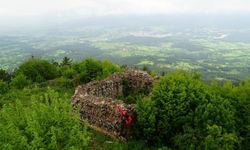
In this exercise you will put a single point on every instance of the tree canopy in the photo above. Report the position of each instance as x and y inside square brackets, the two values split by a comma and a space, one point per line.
[38, 70]
[185, 113]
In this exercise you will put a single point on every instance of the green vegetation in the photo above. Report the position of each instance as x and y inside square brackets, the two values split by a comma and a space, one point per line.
[186, 114]
[47, 123]
[4, 87]
[38, 70]
[66, 61]
[90, 69]
[183, 111]
[36, 113]
[20, 81]
[161, 48]
[4, 75]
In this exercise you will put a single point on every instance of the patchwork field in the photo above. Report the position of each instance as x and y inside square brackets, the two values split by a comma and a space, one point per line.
[212, 52]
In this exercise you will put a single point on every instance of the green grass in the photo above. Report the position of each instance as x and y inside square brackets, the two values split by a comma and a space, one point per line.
[99, 141]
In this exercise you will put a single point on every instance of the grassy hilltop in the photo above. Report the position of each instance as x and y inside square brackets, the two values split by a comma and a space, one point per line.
[183, 111]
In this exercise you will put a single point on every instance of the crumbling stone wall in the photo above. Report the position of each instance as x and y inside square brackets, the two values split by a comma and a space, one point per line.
[99, 106]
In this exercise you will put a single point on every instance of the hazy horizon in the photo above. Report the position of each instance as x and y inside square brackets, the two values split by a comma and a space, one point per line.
[73, 9]
[120, 7]
[162, 34]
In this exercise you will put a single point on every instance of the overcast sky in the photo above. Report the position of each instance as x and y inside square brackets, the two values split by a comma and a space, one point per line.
[107, 7]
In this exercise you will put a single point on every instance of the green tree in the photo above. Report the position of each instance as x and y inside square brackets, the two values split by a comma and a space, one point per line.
[89, 69]
[38, 70]
[217, 140]
[239, 97]
[66, 61]
[146, 120]
[93, 69]
[184, 108]
[241, 101]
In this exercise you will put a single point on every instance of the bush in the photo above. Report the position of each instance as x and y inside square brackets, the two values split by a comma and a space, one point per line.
[5, 76]
[4, 87]
[48, 123]
[38, 70]
[182, 109]
[20, 81]
[90, 69]
[146, 120]
[242, 105]
[61, 82]
[239, 97]
[109, 68]
[67, 72]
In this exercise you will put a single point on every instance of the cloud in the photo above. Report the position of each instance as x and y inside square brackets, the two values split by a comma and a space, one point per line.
[107, 7]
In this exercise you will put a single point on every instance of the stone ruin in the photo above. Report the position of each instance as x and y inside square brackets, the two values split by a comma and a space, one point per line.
[100, 107]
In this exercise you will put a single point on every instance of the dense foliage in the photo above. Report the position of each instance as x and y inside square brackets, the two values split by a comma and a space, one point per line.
[4, 87]
[38, 70]
[36, 117]
[239, 97]
[4, 75]
[48, 123]
[90, 69]
[182, 112]
[185, 113]
[20, 81]
[87, 70]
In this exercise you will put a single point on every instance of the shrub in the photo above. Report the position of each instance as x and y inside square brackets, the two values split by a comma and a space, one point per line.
[90, 69]
[61, 82]
[48, 123]
[4, 87]
[38, 70]
[146, 128]
[242, 105]
[5, 76]
[182, 109]
[20, 81]
[67, 72]
[239, 97]
[109, 68]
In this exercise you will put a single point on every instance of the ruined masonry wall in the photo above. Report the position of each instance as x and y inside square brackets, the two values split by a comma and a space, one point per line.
[97, 101]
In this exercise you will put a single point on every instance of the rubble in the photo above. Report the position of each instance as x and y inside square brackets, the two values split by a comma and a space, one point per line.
[99, 105]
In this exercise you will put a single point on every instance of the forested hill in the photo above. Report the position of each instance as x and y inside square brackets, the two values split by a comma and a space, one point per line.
[182, 112]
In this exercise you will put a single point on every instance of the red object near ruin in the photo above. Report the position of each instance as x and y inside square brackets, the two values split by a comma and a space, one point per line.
[123, 112]
[98, 105]
[129, 120]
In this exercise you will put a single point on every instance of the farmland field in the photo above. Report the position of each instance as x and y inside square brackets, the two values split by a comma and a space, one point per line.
[214, 52]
